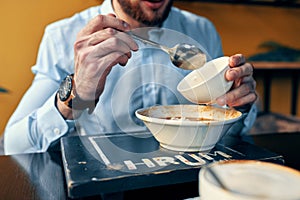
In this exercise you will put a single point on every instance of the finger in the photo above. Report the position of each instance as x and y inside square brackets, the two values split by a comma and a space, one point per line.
[245, 80]
[113, 59]
[128, 40]
[110, 52]
[241, 101]
[239, 72]
[100, 36]
[236, 60]
[243, 90]
[112, 15]
[123, 59]
[112, 45]
[119, 58]
[233, 95]
[104, 21]
[97, 72]
[248, 99]
[250, 81]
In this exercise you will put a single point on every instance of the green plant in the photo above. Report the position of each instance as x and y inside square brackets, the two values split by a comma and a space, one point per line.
[3, 90]
[275, 52]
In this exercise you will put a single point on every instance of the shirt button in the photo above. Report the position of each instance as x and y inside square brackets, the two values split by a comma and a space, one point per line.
[56, 131]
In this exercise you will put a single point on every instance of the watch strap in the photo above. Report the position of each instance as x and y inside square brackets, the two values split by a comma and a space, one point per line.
[76, 103]
[79, 104]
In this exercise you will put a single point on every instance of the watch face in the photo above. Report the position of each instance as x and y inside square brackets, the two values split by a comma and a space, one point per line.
[65, 88]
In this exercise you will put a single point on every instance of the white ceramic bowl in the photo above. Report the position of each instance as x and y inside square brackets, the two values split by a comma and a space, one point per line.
[207, 83]
[188, 127]
[249, 180]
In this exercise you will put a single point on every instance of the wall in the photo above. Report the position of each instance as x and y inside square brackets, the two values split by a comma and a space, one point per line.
[22, 26]
[242, 29]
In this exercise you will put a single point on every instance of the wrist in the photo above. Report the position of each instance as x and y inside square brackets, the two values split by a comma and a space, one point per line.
[67, 95]
[245, 108]
[65, 111]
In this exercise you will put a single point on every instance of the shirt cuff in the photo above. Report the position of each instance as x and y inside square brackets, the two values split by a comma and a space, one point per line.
[51, 125]
[249, 119]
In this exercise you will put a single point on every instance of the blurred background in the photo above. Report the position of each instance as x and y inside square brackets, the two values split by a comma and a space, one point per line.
[261, 31]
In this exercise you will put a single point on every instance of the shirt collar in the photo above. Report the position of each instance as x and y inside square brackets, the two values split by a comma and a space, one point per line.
[107, 7]
[154, 34]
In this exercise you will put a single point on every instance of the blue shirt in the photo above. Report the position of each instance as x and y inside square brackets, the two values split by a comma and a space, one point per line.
[148, 79]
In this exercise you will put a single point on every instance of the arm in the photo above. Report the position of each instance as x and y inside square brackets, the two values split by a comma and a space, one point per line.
[99, 46]
[41, 118]
[36, 121]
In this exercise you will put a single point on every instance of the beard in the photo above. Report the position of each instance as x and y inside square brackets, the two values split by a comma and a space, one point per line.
[156, 18]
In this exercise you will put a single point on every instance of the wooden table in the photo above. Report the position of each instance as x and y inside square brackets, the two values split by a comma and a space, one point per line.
[285, 144]
[41, 175]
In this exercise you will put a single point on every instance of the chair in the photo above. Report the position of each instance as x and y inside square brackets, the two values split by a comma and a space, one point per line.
[273, 122]
[1, 145]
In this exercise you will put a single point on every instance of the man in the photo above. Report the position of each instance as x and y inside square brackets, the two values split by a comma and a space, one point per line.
[91, 47]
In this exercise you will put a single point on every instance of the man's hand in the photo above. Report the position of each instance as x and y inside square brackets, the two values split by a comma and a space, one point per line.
[99, 46]
[243, 92]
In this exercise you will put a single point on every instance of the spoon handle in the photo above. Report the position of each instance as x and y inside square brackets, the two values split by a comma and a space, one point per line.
[217, 178]
[146, 41]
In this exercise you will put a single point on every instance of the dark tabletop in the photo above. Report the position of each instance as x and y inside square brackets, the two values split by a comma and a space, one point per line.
[41, 175]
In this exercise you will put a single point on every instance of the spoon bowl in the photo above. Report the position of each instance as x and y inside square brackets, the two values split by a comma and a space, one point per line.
[185, 56]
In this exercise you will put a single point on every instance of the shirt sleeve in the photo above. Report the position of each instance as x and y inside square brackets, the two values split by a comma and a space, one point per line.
[243, 126]
[36, 122]
[249, 119]
[35, 131]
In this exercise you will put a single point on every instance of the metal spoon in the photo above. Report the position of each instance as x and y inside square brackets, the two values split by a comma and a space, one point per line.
[217, 178]
[185, 56]
[221, 182]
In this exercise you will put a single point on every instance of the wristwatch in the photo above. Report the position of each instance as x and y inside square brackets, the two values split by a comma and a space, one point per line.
[67, 95]
[65, 90]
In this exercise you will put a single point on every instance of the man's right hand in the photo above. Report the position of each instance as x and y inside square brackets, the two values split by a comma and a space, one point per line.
[99, 46]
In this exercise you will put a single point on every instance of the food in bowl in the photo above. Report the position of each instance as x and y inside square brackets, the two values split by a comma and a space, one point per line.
[188, 128]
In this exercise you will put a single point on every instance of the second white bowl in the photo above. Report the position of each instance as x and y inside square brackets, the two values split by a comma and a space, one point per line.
[207, 83]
